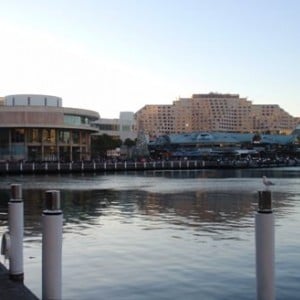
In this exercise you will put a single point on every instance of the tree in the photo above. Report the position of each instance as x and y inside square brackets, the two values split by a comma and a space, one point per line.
[141, 149]
[129, 143]
[101, 143]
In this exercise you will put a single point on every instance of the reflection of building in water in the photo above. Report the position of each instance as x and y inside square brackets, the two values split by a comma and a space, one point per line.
[84, 208]
[201, 207]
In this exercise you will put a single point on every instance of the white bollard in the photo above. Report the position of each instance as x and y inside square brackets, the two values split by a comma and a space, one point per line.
[52, 223]
[16, 233]
[265, 253]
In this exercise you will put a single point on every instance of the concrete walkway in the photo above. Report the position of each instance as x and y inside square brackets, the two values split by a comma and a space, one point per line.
[10, 290]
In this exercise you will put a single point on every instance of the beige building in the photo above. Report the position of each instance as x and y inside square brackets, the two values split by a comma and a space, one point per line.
[155, 120]
[213, 112]
[38, 128]
[272, 118]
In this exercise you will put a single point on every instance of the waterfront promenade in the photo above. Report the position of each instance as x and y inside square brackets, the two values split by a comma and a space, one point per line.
[111, 166]
[10, 290]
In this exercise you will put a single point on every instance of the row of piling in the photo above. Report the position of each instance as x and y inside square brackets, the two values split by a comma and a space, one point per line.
[95, 166]
[52, 224]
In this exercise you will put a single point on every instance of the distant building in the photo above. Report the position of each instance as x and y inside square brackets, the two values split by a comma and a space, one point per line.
[122, 128]
[39, 128]
[213, 112]
[272, 118]
[199, 144]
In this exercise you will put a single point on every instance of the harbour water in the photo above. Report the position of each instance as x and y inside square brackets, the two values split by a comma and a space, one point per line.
[185, 234]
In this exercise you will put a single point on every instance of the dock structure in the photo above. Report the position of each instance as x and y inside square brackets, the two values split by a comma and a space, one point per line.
[10, 290]
[109, 166]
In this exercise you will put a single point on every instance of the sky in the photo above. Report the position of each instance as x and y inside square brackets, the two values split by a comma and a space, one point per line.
[119, 55]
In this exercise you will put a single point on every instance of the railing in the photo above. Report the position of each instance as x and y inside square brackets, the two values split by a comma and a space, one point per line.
[94, 166]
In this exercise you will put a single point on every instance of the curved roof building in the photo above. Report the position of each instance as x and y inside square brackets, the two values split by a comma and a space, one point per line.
[38, 128]
[198, 143]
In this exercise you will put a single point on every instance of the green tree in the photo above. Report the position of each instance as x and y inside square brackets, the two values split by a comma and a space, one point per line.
[101, 143]
[141, 149]
[129, 143]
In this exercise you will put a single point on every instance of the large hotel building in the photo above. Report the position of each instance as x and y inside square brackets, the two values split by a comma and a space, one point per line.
[214, 112]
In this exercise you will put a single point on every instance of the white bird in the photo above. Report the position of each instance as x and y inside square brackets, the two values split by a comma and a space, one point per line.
[267, 182]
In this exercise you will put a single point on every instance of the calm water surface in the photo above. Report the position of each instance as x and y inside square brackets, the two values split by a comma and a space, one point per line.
[162, 234]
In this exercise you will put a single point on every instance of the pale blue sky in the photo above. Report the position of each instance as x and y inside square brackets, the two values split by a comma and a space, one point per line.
[115, 55]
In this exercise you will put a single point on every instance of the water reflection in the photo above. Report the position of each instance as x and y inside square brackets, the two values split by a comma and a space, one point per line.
[213, 212]
[161, 235]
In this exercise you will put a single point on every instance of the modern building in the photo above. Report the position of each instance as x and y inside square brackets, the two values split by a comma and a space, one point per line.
[213, 112]
[39, 128]
[122, 128]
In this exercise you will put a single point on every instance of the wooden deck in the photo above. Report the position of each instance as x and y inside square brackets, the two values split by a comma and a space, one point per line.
[11, 290]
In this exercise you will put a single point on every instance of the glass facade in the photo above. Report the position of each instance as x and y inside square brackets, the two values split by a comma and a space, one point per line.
[38, 128]
[75, 137]
[17, 135]
[75, 120]
[43, 144]
[4, 143]
[49, 136]
[34, 135]
[64, 136]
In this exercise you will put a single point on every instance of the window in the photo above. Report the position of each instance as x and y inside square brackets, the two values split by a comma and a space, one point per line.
[17, 135]
[83, 138]
[4, 137]
[75, 137]
[49, 135]
[76, 120]
[34, 136]
[64, 136]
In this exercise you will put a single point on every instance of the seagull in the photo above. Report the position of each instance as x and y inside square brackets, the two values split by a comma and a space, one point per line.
[267, 182]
